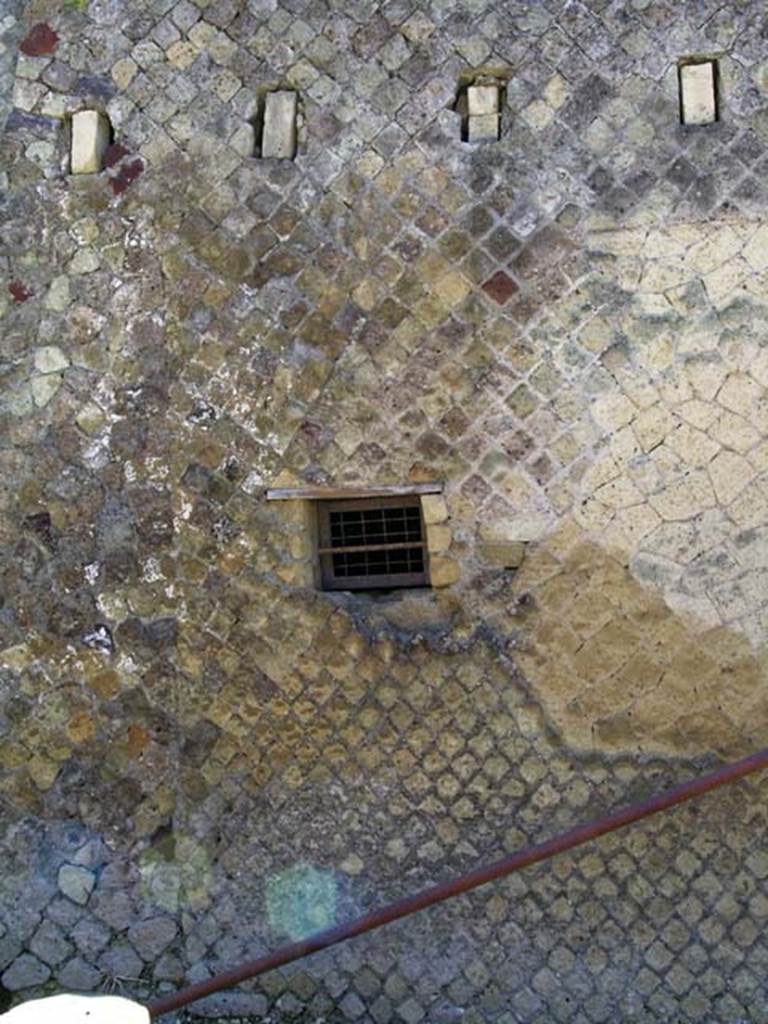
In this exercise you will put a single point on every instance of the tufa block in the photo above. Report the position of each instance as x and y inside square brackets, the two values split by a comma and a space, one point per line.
[90, 138]
[697, 93]
[433, 509]
[483, 128]
[443, 571]
[503, 555]
[482, 99]
[278, 138]
[439, 537]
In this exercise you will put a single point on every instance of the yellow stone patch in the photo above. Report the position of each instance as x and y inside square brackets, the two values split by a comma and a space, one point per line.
[443, 571]
[452, 288]
[181, 54]
[538, 114]
[644, 678]
[80, 727]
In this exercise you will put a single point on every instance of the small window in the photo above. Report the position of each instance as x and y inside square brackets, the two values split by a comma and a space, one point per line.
[373, 543]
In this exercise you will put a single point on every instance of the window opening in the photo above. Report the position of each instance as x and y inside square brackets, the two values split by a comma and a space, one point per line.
[372, 544]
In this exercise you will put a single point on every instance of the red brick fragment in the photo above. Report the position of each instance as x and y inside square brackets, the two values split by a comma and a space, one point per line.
[128, 172]
[132, 170]
[18, 292]
[500, 287]
[113, 154]
[40, 40]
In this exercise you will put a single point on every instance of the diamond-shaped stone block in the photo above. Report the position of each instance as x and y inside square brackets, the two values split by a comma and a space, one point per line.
[500, 287]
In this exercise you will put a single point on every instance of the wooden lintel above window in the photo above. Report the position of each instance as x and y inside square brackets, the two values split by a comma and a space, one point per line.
[339, 493]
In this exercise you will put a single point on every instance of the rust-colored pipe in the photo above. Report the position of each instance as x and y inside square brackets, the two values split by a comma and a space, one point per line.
[445, 890]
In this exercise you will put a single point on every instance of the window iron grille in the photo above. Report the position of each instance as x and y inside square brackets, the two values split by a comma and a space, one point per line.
[372, 544]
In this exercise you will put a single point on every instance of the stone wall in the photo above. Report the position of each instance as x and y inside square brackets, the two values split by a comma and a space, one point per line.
[204, 755]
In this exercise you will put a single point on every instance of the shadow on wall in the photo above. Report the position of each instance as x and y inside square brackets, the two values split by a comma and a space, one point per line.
[617, 670]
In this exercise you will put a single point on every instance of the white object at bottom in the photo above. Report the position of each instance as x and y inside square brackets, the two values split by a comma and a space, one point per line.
[68, 1009]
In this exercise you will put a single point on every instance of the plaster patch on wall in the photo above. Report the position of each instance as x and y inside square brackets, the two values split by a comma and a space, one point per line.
[728, 255]
[678, 484]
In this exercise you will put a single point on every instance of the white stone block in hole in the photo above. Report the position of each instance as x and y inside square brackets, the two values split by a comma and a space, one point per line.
[90, 138]
[482, 99]
[483, 128]
[278, 137]
[697, 93]
[70, 1009]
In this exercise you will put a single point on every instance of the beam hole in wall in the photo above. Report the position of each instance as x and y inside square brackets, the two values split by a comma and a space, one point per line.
[480, 100]
[698, 83]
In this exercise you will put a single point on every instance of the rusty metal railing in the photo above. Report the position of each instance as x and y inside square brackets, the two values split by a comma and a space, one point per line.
[446, 890]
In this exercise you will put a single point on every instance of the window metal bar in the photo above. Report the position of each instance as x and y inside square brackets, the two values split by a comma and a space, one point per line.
[372, 544]
[343, 493]
[357, 548]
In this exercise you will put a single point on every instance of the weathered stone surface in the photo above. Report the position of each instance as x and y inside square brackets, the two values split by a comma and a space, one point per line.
[152, 936]
[506, 556]
[90, 418]
[438, 537]
[10, 948]
[483, 128]
[79, 976]
[58, 296]
[76, 883]
[120, 961]
[90, 937]
[50, 944]
[50, 359]
[433, 508]
[443, 571]
[26, 971]
[231, 1004]
[43, 389]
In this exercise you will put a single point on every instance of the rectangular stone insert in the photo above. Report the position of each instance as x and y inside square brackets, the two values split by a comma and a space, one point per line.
[483, 128]
[90, 138]
[482, 99]
[698, 99]
[278, 138]
[480, 106]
